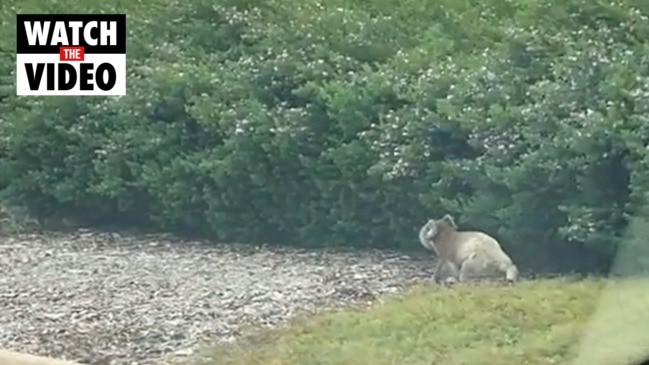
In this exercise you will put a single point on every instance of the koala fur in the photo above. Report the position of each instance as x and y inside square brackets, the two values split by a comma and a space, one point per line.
[8, 357]
[468, 254]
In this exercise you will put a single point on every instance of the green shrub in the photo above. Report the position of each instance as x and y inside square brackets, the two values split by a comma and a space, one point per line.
[350, 123]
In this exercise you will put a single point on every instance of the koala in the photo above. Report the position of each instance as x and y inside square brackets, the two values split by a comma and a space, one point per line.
[469, 254]
[8, 357]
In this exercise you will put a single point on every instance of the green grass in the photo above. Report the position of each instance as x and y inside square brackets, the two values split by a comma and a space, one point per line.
[592, 321]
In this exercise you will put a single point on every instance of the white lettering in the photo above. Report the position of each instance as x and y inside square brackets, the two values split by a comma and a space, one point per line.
[108, 31]
[59, 35]
[86, 33]
[39, 30]
[75, 26]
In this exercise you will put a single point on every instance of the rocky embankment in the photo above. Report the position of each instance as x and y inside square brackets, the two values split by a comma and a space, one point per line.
[105, 298]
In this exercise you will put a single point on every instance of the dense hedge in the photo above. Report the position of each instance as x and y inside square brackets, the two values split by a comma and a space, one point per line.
[351, 122]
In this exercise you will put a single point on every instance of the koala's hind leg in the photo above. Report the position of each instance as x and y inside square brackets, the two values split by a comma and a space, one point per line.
[511, 273]
[474, 267]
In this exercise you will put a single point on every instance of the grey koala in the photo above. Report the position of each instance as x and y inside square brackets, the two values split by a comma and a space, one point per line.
[468, 254]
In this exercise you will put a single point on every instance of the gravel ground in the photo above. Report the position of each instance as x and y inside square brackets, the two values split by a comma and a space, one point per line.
[105, 298]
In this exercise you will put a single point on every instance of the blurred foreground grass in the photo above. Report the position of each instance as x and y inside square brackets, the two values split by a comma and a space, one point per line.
[558, 321]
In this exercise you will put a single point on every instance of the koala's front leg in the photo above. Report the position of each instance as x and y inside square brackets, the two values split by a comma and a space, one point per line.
[456, 273]
[438, 268]
[441, 263]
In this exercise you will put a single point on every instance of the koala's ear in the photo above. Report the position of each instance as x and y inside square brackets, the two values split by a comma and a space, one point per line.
[448, 219]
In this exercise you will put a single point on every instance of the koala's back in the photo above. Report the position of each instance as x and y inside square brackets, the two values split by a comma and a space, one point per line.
[472, 242]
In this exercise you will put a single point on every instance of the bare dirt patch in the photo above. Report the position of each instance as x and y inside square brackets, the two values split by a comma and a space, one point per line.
[105, 298]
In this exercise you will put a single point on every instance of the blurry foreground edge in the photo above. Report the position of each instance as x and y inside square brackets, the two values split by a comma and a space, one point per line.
[618, 332]
[8, 357]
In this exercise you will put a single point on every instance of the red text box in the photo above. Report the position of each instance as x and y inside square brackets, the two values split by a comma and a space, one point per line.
[71, 53]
